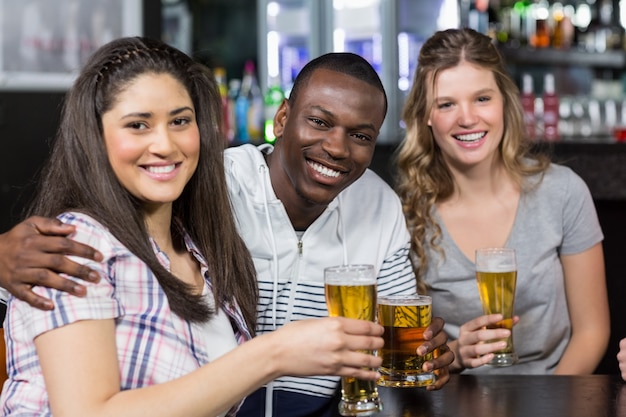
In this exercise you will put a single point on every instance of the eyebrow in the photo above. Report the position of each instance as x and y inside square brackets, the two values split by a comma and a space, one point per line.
[146, 115]
[332, 115]
[476, 93]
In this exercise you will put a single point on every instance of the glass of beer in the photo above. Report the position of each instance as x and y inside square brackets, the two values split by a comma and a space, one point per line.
[405, 318]
[496, 275]
[351, 292]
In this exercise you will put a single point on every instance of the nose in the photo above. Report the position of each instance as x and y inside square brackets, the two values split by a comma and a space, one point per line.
[162, 143]
[336, 143]
[467, 116]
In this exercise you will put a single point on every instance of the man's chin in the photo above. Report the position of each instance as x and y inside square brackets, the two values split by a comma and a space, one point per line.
[319, 198]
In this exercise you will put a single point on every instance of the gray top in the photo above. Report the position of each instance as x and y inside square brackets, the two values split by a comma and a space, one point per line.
[555, 217]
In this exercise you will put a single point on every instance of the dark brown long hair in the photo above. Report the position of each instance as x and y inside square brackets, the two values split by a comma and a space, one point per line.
[79, 177]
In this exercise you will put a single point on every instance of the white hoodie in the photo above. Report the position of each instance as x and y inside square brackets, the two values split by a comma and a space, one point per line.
[363, 225]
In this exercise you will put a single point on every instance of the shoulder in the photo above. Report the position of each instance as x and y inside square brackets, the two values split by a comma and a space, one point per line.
[245, 157]
[91, 232]
[243, 163]
[84, 224]
[560, 172]
[562, 179]
[561, 193]
[245, 169]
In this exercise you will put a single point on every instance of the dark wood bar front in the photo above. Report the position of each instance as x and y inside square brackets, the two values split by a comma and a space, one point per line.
[511, 396]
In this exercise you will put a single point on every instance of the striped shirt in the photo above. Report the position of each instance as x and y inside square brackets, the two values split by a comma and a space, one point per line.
[154, 345]
[364, 224]
[395, 277]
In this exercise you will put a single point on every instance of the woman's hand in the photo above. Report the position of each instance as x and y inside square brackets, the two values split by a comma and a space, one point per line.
[476, 343]
[329, 346]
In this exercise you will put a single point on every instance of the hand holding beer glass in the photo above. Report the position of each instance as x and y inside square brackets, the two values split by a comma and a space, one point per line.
[351, 292]
[405, 318]
[496, 276]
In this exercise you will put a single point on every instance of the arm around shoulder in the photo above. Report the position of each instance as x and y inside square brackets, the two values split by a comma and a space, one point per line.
[34, 253]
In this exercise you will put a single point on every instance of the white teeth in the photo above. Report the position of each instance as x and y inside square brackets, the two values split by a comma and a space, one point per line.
[161, 169]
[324, 170]
[470, 137]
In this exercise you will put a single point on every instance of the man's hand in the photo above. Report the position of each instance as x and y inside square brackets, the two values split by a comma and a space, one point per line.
[437, 342]
[34, 253]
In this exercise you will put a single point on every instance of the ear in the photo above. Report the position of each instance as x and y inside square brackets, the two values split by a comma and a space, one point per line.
[429, 122]
[280, 118]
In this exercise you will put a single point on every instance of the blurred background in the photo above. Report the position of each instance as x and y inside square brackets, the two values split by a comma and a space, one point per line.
[567, 57]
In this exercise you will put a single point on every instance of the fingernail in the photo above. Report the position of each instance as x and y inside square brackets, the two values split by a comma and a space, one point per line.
[94, 276]
[79, 290]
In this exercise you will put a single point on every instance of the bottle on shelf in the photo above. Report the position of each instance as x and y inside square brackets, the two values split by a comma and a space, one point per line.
[272, 101]
[563, 31]
[241, 115]
[518, 24]
[604, 32]
[220, 77]
[550, 109]
[610, 20]
[527, 99]
[540, 37]
[234, 85]
[249, 107]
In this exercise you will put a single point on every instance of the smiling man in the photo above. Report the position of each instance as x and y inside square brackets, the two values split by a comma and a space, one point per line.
[310, 202]
[305, 204]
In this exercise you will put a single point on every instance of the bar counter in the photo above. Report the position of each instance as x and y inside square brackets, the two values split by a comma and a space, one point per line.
[510, 396]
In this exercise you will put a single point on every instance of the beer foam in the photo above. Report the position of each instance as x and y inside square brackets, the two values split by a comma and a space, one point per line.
[405, 300]
[495, 265]
[350, 275]
[495, 260]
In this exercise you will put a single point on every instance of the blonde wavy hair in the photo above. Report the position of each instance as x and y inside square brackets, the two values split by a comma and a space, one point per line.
[423, 178]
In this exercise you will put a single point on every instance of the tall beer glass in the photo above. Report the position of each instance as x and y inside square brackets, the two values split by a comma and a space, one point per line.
[496, 275]
[405, 318]
[351, 292]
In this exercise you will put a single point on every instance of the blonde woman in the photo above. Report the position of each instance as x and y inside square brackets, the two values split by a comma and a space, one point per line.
[467, 180]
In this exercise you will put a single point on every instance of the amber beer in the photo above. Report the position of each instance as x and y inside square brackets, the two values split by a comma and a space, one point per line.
[496, 276]
[354, 301]
[405, 318]
[351, 292]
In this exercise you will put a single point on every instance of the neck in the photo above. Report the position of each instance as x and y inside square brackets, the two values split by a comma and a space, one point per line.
[158, 222]
[301, 212]
[481, 182]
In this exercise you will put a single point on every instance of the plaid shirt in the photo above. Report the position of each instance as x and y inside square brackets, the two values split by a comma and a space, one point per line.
[154, 345]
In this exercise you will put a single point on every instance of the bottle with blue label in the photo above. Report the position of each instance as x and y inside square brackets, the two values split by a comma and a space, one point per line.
[249, 107]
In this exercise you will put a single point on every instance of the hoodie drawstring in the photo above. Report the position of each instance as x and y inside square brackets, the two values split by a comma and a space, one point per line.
[268, 220]
[269, 388]
[342, 227]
